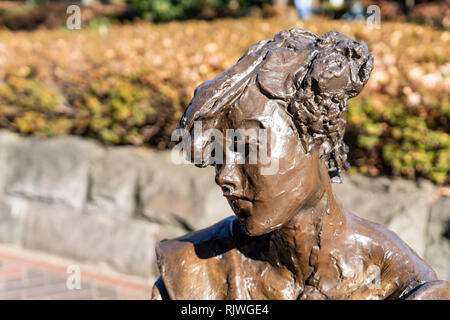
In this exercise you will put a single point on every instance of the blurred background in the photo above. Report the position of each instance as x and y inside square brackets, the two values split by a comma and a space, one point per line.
[90, 92]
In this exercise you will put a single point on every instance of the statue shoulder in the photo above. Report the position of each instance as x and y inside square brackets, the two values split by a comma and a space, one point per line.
[187, 261]
[433, 290]
[202, 241]
[399, 263]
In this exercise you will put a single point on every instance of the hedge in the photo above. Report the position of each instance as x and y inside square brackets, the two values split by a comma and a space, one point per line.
[167, 10]
[129, 84]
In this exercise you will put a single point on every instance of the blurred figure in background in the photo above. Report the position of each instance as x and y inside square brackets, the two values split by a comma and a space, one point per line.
[356, 12]
[304, 8]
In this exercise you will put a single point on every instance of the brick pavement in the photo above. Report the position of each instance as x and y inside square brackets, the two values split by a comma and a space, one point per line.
[28, 275]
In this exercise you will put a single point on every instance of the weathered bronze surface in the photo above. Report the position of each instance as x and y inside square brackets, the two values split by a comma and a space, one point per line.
[291, 238]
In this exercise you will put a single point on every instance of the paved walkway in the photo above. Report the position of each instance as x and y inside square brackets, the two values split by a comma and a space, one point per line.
[27, 275]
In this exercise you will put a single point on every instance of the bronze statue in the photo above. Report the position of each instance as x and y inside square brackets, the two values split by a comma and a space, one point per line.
[291, 238]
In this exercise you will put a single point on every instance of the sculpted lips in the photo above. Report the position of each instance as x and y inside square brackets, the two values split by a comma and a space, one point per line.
[240, 205]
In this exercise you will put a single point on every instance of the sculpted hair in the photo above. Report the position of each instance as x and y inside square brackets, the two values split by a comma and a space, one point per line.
[312, 76]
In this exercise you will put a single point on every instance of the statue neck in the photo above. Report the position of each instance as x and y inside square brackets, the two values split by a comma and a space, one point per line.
[299, 241]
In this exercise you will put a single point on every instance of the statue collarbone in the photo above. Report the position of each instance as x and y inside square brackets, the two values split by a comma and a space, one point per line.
[285, 101]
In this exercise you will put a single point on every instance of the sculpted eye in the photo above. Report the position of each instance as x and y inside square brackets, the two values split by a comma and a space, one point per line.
[240, 147]
[243, 149]
[247, 149]
[217, 166]
[236, 145]
[215, 154]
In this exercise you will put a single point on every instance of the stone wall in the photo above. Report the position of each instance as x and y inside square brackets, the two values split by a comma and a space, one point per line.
[75, 198]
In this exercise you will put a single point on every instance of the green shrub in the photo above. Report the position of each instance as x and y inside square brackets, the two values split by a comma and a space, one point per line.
[404, 141]
[166, 10]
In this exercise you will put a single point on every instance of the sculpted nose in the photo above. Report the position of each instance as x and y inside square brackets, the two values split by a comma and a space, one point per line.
[228, 178]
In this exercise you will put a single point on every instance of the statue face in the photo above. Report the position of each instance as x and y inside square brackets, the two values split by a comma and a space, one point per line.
[295, 67]
[265, 202]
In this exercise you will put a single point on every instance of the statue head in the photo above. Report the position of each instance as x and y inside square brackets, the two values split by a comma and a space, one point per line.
[294, 90]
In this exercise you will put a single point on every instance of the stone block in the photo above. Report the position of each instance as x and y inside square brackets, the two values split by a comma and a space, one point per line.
[7, 139]
[51, 170]
[113, 183]
[437, 252]
[128, 246]
[11, 216]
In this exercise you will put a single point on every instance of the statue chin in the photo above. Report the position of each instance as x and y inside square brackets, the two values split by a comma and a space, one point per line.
[252, 229]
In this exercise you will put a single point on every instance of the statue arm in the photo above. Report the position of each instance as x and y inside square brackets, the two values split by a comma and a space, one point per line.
[159, 291]
[432, 290]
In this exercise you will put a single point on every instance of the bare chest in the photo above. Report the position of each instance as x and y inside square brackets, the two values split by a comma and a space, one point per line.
[332, 278]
